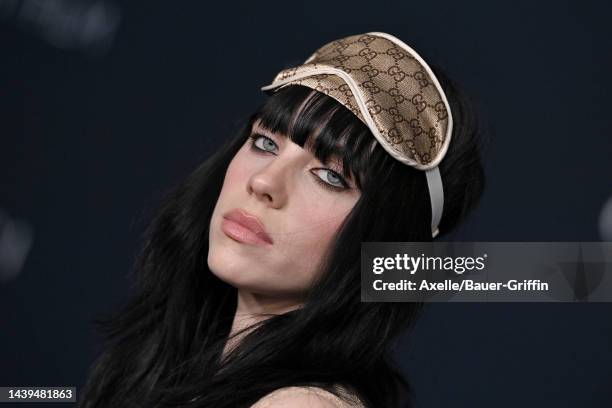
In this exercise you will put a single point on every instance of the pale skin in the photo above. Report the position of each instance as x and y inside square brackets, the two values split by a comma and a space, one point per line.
[278, 185]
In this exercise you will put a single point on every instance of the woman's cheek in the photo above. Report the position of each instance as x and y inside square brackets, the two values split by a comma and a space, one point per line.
[322, 225]
[237, 172]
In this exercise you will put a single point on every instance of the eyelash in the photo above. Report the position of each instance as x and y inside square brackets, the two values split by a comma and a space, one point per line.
[255, 136]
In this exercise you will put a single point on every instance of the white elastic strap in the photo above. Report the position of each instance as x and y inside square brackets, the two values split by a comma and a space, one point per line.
[436, 195]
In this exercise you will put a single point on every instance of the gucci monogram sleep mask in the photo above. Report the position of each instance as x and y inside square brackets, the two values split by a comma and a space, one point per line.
[390, 88]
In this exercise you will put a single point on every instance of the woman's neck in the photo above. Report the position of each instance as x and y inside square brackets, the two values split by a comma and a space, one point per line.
[252, 308]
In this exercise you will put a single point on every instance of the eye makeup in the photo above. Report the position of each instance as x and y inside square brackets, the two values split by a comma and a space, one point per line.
[337, 174]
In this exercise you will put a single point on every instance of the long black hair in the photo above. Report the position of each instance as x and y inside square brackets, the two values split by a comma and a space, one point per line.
[164, 347]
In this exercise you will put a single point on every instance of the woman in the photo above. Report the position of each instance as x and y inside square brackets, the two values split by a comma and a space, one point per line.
[270, 315]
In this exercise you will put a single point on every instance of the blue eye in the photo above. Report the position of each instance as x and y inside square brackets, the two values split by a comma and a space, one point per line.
[331, 181]
[266, 142]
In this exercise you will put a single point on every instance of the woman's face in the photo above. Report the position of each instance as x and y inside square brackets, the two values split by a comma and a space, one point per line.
[299, 201]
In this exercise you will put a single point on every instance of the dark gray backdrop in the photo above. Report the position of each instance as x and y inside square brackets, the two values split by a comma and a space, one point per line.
[104, 104]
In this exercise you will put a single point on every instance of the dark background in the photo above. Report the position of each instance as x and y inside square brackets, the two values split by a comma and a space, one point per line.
[105, 104]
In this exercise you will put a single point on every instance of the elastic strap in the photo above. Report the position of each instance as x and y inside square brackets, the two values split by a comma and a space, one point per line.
[436, 195]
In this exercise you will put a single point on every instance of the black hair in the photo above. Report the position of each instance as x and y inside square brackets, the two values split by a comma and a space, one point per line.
[164, 346]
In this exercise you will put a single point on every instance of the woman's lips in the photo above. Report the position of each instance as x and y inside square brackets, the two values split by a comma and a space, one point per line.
[245, 227]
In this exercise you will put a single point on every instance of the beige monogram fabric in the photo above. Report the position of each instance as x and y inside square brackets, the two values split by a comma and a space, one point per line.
[388, 86]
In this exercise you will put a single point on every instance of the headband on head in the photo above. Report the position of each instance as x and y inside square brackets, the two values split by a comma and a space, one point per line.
[390, 88]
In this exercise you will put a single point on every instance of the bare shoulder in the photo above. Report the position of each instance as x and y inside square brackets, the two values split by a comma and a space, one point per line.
[301, 397]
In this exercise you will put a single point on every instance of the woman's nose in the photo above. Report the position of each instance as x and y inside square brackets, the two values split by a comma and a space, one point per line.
[269, 183]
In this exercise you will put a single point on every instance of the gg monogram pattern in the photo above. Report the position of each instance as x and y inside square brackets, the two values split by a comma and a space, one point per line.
[407, 109]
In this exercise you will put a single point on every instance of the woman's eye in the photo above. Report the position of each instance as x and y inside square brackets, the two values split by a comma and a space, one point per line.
[332, 179]
[326, 177]
[263, 143]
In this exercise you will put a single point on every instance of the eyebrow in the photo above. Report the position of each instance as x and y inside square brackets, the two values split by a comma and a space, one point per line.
[333, 159]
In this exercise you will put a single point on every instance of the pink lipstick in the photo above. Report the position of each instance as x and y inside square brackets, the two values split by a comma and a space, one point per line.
[245, 227]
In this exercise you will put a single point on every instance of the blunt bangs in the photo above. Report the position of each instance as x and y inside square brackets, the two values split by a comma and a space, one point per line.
[319, 123]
